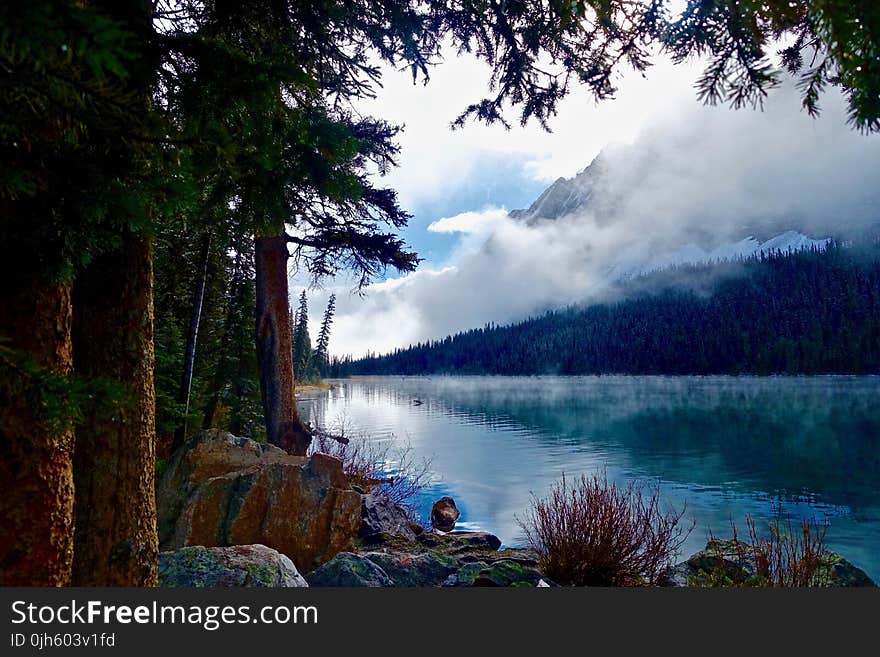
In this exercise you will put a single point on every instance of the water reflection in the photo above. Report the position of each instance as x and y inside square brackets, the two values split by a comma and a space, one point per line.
[722, 445]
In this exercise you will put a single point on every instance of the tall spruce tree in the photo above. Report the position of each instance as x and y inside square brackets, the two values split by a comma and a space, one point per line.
[116, 544]
[321, 359]
[233, 383]
[78, 192]
[303, 363]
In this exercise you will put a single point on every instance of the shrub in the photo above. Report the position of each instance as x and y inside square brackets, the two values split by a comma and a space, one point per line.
[787, 556]
[791, 558]
[595, 533]
[385, 468]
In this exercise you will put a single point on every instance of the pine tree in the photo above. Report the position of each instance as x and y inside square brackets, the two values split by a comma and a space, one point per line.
[303, 364]
[321, 351]
[192, 338]
[233, 382]
[76, 199]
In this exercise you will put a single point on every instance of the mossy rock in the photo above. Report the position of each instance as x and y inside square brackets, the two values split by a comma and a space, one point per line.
[508, 572]
[349, 569]
[466, 575]
[239, 565]
[426, 569]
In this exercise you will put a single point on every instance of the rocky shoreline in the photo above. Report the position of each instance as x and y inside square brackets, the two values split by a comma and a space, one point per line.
[452, 559]
[234, 512]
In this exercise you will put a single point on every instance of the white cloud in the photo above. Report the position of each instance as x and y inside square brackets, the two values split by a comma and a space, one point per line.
[694, 175]
[434, 159]
[469, 222]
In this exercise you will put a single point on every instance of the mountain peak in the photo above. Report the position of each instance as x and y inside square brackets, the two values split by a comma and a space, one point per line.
[564, 196]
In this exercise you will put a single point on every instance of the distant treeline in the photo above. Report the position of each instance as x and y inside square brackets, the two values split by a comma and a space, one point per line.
[805, 312]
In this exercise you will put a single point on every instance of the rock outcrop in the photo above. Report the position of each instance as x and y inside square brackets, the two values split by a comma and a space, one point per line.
[221, 490]
[239, 565]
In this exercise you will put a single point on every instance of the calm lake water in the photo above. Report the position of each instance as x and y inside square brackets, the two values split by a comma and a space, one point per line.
[724, 446]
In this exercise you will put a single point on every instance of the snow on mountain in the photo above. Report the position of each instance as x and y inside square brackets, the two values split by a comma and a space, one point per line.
[629, 267]
[588, 192]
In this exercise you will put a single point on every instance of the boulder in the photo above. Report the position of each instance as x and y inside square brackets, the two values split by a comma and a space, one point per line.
[211, 454]
[414, 569]
[509, 572]
[239, 565]
[734, 559]
[379, 515]
[466, 575]
[349, 569]
[847, 574]
[444, 513]
[221, 490]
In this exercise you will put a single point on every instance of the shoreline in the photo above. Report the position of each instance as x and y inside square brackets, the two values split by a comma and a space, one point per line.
[310, 387]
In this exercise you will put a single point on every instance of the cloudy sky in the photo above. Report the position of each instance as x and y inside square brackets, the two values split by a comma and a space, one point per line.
[677, 169]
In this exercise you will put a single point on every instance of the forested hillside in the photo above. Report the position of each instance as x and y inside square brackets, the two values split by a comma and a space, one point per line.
[807, 312]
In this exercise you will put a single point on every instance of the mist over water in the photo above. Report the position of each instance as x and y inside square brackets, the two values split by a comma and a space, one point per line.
[724, 446]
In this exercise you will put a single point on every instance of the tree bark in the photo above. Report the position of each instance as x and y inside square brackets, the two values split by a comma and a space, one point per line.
[36, 467]
[115, 541]
[274, 348]
[189, 358]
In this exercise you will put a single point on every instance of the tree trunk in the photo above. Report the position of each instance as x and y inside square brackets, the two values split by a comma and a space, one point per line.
[189, 358]
[274, 348]
[36, 468]
[116, 542]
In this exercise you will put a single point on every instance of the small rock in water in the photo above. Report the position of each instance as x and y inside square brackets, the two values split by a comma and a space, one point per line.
[444, 513]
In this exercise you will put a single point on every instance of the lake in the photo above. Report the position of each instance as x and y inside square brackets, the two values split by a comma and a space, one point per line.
[808, 447]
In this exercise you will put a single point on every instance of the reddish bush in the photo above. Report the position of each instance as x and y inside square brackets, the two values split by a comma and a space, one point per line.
[595, 533]
[786, 556]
